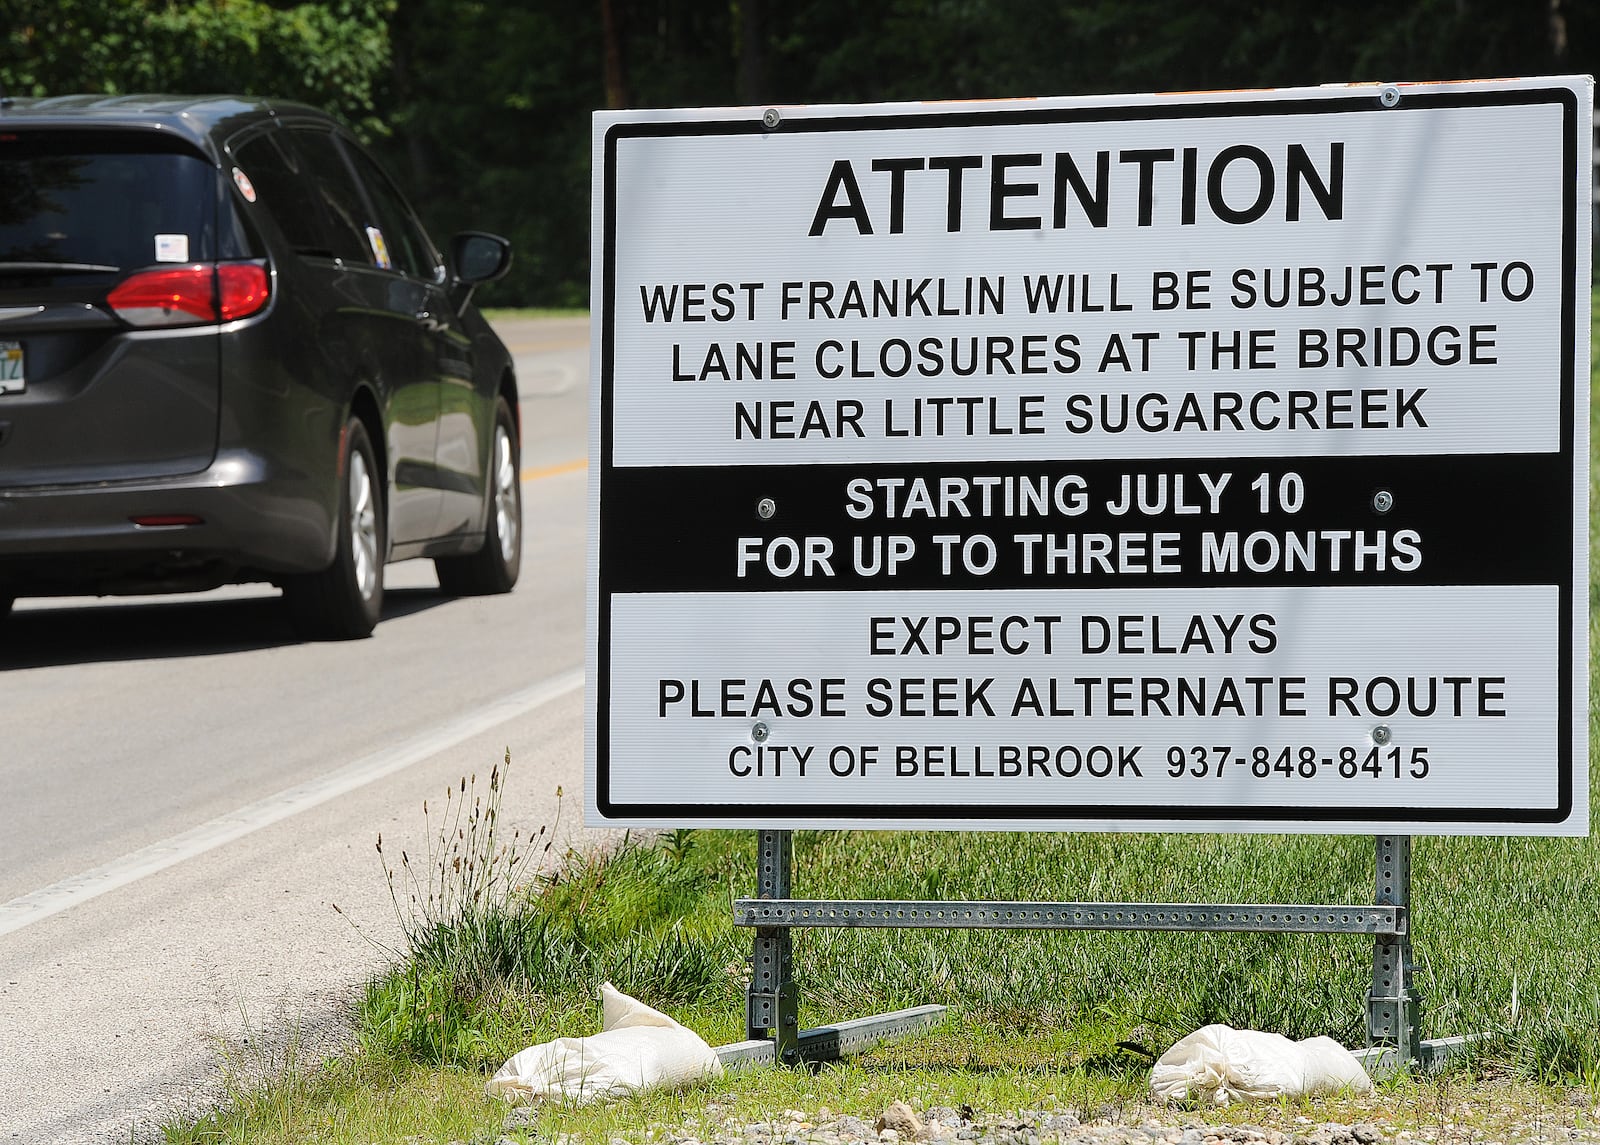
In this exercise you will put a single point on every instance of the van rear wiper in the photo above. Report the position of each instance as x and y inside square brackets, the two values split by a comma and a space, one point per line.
[60, 267]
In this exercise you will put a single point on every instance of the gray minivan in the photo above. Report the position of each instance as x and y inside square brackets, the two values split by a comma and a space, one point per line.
[229, 352]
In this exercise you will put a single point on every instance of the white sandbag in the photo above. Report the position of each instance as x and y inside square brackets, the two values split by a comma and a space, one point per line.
[638, 1048]
[1220, 1064]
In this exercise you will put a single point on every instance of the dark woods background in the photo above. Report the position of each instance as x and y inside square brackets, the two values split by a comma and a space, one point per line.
[482, 106]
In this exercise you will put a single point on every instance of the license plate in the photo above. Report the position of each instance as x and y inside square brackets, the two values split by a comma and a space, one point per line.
[13, 380]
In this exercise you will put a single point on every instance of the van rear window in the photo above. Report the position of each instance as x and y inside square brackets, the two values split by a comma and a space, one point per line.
[97, 201]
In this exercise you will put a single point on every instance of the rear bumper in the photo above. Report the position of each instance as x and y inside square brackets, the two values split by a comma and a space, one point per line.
[252, 524]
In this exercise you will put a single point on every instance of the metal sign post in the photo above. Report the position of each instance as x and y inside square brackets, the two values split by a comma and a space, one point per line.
[772, 999]
[1394, 1008]
[772, 1002]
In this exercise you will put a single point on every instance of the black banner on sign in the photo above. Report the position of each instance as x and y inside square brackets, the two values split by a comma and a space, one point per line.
[1237, 522]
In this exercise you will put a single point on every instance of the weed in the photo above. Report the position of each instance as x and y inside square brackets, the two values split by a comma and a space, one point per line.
[675, 844]
[469, 873]
[461, 912]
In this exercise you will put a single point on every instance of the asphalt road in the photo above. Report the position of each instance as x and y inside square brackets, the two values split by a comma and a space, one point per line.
[188, 791]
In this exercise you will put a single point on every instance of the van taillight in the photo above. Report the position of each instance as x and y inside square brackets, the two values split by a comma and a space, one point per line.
[190, 295]
[242, 289]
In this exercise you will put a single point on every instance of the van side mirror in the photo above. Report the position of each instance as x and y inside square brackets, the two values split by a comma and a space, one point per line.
[477, 256]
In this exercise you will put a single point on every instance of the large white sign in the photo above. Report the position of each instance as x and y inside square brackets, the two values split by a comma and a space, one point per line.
[1204, 463]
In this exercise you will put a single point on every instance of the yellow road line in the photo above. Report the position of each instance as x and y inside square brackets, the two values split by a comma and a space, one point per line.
[555, 470]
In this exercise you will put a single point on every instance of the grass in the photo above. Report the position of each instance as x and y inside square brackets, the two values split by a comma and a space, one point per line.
[1506, 937]
[1493, 922]
[496, 313]
[1040, 1020]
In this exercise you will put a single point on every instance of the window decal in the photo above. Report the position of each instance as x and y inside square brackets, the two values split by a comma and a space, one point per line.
[172, 248]
[380, 249]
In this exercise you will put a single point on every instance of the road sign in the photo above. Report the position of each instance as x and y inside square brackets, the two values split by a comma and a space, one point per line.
[1203, 462]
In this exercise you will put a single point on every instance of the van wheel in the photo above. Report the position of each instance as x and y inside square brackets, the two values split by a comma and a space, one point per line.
[344, 600]
[493, 568]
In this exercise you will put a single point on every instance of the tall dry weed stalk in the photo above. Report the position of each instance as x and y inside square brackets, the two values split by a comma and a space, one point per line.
[470, 871]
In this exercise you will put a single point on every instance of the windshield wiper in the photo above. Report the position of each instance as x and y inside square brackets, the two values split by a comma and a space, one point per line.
[61, 267]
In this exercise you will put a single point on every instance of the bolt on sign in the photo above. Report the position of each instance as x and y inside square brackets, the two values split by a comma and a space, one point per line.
[1205, 462]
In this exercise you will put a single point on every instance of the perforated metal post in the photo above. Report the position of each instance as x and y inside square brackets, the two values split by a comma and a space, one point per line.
[772, 1003]
[1394, 1009]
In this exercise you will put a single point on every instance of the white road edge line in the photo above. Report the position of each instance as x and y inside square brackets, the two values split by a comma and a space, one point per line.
[70, 892]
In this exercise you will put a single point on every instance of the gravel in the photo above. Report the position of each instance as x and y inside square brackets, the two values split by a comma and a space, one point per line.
[900, 1123]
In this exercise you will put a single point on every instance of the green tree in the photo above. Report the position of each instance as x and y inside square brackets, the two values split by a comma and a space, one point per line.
[331, 54]
[489, 105]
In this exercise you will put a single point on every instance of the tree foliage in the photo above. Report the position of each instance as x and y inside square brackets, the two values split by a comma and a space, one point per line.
[333, 54]
[483, 106]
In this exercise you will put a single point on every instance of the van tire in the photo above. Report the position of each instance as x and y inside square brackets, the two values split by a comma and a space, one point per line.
[344, 600]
